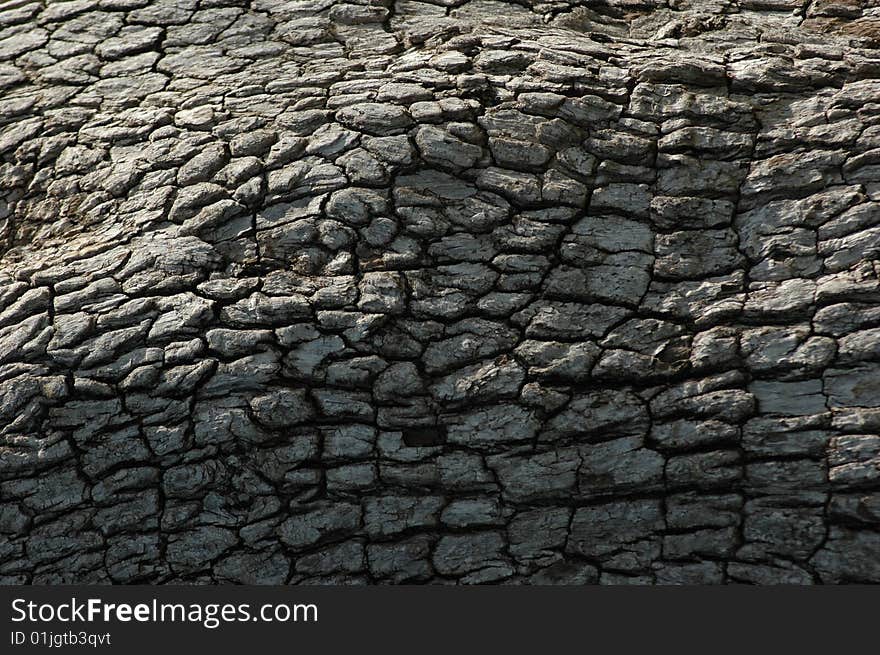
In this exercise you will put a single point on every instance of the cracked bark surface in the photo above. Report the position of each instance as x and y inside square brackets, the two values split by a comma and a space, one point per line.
[465, 292]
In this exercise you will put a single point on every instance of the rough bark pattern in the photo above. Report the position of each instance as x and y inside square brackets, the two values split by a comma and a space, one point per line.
[562, 292]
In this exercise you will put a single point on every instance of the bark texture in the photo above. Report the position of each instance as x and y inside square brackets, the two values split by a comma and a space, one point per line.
[461, 291]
